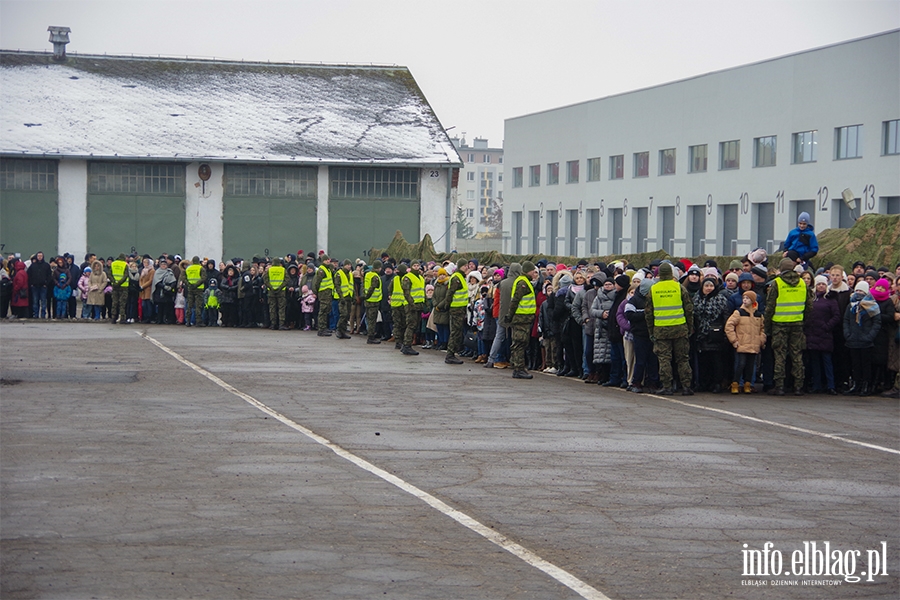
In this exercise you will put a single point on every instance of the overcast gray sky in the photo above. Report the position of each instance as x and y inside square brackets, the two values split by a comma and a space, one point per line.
[478, 62]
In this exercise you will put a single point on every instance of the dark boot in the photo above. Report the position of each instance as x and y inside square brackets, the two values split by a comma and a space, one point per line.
[373, 341]
[451, 359]
[521, 374]
[323, 333]
[407, 350]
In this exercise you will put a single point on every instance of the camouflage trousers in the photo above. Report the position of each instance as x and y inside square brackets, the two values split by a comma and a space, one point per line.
[372, 319]
[324, 309]
[276, 308]
[678, 349]
[413, 320]
[119, 302]
[194, 301]
[457, 328]
[345, 305]
[399, 314]
[521, 335]
[788, 340]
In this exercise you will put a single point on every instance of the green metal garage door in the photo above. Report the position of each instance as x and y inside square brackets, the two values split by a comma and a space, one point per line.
[29, 213]
[135, 207]
[269, 209]
[366, 207]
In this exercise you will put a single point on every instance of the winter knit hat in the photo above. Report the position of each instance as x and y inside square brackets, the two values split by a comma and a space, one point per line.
[821, 279]
[786, 265]
[862, 286]
[751, 295]
[884, 292]
[527, 267]
[644, 288]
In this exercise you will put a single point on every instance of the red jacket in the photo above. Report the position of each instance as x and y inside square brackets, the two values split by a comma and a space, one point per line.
[20, 286]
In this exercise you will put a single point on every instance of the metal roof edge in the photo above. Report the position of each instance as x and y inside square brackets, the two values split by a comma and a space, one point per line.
[208, 60]
[701, 75]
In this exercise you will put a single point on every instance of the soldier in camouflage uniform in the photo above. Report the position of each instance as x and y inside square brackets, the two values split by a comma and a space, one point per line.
[323, 284]
[788, 300]
[195, 279]
[276, 282]
[119, 283]
[413, 285]
[455, 301]
[343, 291]
[670, 320]
[520, 315]
[398, 306]
[372, 294]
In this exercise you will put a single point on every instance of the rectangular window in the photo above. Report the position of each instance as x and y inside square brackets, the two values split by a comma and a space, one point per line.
[517, 177]
[374, 183]
[805, 147]
[500, 160]
[470, 176]
[848, 142]
[27, 175]
[470, 157]
[470, 212]
[730, 155]
[572, 167]
[136, 178]
[552, 173]
[667, 162]
[535, 175]
[470, 194]
[617, 166]
[593, 165]
[764, 151]
[891, 135]
[697, 156]
[487, 158]
[641, 164]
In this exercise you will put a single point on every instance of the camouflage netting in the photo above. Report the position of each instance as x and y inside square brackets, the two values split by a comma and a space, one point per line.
[874, 239]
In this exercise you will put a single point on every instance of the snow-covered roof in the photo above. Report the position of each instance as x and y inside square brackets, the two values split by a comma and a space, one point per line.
[160, 108]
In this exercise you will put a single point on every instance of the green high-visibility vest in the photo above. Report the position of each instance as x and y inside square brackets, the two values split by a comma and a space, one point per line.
[667, 308]
[193, 275]
[397, 296]
[461, 295]
[527, 304]
[790, 302]
[376, 293]
[327, 282]
[346, 281]
[416, 288]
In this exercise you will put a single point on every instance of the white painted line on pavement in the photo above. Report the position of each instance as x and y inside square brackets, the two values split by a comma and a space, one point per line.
[557, 573]
[776, 424]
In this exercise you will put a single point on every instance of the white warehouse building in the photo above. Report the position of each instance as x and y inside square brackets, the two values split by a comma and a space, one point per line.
[717, 164]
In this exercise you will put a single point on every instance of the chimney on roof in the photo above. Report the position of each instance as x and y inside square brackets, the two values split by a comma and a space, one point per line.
[60, 37]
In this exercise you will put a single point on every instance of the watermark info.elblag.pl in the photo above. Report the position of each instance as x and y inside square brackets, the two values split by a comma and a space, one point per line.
[815, 564]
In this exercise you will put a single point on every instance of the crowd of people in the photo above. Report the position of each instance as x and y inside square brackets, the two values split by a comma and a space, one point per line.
[772, 324]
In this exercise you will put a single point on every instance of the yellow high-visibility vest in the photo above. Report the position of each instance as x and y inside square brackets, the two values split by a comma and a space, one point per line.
[460, 296]
[416, 288]
[327, 282]
[345, 280]
[397, 296]
[527, 304]
[118, 272]
[193, 275]
[790, 303]
[276, 277]
[376, 293]
[667, 308]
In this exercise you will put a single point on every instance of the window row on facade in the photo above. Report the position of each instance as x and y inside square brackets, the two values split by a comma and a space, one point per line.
[485, 158]
[848, 144]
[240, 180]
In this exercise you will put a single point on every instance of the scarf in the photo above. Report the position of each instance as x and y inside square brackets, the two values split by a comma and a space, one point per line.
[860, 304]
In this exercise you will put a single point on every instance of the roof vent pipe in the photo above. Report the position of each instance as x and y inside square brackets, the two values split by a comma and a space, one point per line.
[60, 37]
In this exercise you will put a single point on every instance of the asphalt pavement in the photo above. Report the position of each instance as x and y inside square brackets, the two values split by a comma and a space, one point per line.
[167, 462]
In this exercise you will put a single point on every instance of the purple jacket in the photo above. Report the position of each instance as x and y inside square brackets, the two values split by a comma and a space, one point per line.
[820, 324]
[624, 323]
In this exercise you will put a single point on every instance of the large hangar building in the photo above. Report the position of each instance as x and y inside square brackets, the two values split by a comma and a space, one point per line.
[216, 158]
